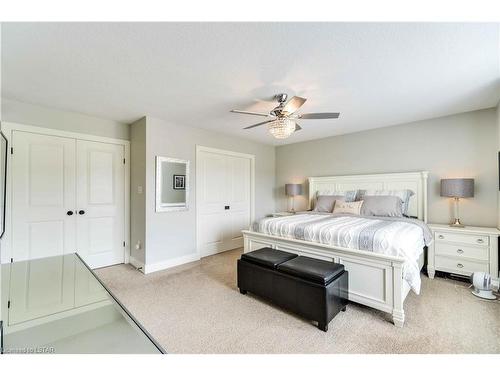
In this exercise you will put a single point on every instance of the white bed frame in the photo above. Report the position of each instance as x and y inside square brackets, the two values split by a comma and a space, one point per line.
[375, 280]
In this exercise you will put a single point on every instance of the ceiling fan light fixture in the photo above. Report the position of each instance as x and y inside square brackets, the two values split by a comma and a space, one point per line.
[281, 128]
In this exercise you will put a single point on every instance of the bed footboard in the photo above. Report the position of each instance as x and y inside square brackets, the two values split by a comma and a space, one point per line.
[375, 280]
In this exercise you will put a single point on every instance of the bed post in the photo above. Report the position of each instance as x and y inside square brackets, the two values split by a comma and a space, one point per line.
[246, 243]
[398, 314]
[425, 175]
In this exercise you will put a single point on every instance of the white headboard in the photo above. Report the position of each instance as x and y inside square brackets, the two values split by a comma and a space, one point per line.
[414, 181]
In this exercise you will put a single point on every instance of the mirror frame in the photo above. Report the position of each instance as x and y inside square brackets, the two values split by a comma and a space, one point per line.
[168, 207]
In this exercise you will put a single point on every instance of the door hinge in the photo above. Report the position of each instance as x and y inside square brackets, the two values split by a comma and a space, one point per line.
[12, 260]
[12, 150]
[8, 304]
[123, 243]
[123, 160]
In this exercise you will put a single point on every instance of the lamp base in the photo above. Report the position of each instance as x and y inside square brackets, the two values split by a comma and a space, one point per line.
[457, 224]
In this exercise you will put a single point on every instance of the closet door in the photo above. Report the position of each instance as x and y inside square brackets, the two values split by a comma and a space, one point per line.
[238, 198]
[223, 183]
[43, 199]
[100, 203]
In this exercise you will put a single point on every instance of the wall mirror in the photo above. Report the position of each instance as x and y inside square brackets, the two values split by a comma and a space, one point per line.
[172, 184]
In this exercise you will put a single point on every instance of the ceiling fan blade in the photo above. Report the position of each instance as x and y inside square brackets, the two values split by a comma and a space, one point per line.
[250, 113]
[293, 104]
[259, 124]
[297, 127]
[319, 116]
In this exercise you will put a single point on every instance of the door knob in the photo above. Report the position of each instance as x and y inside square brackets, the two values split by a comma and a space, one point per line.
[69, 213]
[81, 212]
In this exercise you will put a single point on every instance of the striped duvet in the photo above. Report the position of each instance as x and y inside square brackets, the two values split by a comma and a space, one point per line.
[400, 237]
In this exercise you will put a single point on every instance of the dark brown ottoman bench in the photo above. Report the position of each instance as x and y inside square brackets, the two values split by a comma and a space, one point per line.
[314, 289]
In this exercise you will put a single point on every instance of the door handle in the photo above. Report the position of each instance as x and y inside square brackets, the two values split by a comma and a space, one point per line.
[69, 213]
[81, 212]
[227, 207]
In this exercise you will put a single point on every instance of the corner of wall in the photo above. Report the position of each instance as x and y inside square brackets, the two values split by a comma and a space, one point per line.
[498, 169]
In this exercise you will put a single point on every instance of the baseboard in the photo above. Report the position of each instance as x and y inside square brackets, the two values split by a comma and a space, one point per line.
[136, 263]
[154, 267]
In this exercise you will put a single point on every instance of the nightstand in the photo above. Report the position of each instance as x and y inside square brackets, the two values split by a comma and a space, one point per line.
[280, 214]
[463, 251]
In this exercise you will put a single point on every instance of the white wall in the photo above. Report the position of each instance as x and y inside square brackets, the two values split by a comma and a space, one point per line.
[171, 235]
[30, 114]
[137, 199]
[463, 145]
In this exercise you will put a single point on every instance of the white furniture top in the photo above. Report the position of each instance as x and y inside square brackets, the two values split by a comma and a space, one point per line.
[465, 230]
[414, 181]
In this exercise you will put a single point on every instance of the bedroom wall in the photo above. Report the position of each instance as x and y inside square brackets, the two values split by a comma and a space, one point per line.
[171, 236]
[138, 197]
[36, 115]
[463, 145]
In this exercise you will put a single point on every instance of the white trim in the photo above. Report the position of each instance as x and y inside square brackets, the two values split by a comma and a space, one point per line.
[61, 133]
[169, 207]
[154, 267]
[415, 181]
[251, 157]
[9, 127]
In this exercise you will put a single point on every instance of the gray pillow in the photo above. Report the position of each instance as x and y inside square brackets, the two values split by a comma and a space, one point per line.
[325, 203]
[382, 205]
[404, 195]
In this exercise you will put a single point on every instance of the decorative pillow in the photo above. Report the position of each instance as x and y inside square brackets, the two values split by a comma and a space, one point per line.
[348, 207]
[325, 203]
[348, 195]
[405, 196]
[382, 205]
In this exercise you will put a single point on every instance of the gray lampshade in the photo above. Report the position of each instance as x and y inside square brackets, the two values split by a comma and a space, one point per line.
[457, 187]
[293, 189]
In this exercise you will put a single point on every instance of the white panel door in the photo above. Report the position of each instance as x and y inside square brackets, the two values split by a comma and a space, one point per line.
[238, 198]
[43, 199]
[100, 203]
[224, 201]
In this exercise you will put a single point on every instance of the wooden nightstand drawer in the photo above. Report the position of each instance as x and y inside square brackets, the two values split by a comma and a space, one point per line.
[460, 266]
[461, 251]
[468, 239]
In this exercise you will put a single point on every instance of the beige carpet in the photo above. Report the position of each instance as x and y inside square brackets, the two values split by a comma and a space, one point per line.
[196, 308]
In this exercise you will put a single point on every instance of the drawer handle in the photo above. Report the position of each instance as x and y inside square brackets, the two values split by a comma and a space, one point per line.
[460, 265]
[480, 240]
[460, 251]
[440, 236]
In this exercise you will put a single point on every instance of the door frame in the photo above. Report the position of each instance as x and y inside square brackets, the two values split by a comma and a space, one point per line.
[251, 157]
[8, 128]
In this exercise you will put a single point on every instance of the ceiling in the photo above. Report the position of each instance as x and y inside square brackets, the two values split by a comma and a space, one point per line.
[192, 74]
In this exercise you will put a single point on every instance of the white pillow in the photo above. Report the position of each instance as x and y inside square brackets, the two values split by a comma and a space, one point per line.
[347, 207]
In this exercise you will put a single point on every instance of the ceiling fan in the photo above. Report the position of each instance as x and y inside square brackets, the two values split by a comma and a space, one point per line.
[283, 123]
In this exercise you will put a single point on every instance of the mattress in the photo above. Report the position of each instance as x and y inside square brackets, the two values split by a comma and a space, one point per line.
[401, 237]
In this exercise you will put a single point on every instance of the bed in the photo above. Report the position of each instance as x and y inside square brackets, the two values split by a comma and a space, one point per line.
[381, 277]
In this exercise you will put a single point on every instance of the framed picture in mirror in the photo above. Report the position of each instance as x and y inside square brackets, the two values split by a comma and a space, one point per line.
[179, 182]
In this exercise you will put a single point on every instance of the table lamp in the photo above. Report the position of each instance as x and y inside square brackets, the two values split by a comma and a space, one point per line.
[457, 188]
[292, 190]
